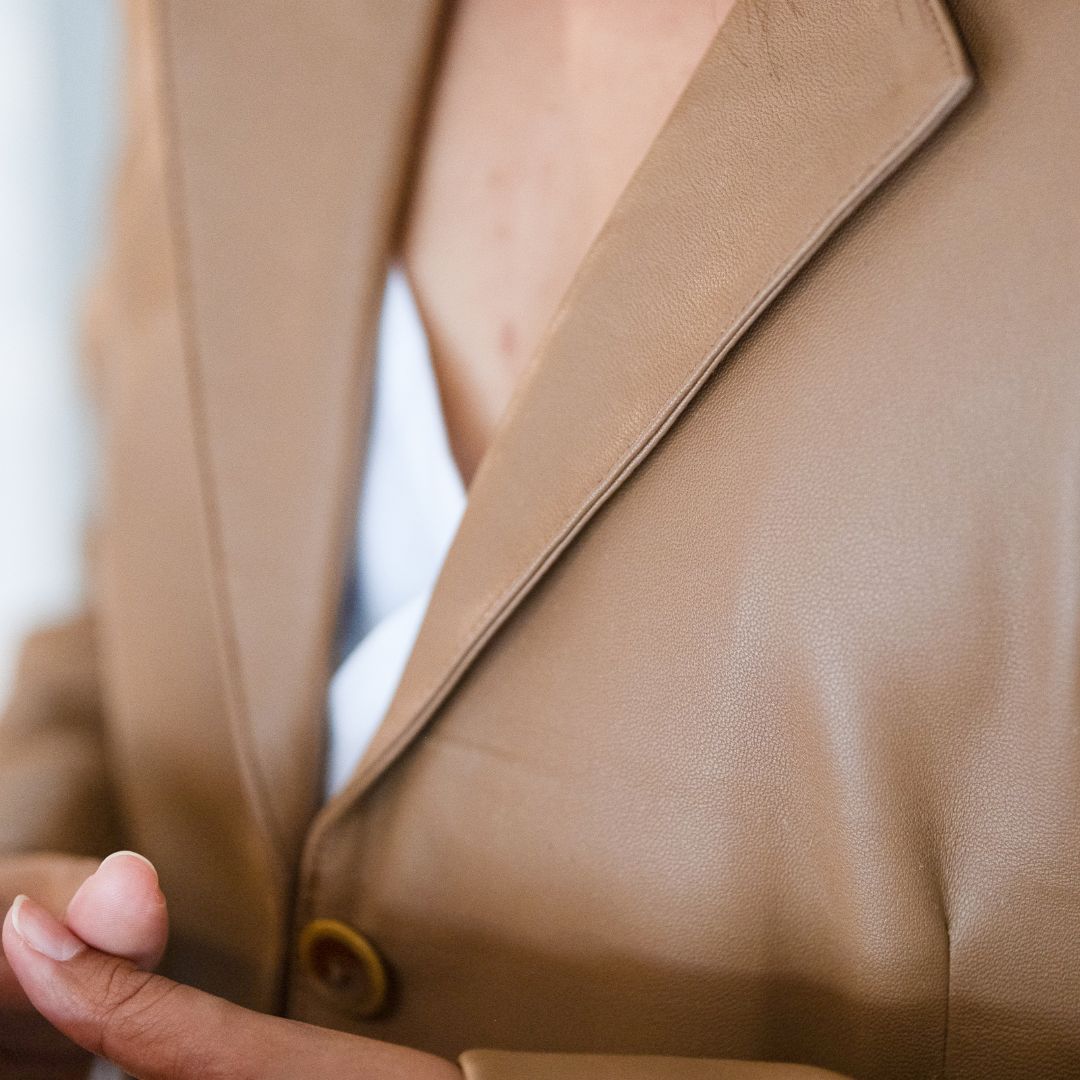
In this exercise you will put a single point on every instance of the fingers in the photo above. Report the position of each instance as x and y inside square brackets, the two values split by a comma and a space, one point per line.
[149, 1026]
[53, 879]
[157, 1029]
[117, 907]
[120, 909]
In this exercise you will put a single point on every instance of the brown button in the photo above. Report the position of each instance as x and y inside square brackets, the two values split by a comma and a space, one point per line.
[345, 964]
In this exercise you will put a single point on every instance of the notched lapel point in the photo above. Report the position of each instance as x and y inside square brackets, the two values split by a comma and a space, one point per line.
[791, 120]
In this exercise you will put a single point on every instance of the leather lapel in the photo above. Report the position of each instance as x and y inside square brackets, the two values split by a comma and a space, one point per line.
[790, 122]
[290, 129]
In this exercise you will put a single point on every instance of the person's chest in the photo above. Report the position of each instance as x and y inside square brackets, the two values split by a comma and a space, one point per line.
[702, 701]
[540, 114]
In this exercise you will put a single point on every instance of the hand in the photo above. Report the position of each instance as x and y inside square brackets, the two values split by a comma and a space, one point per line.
[29, 1046]
[110, 1004]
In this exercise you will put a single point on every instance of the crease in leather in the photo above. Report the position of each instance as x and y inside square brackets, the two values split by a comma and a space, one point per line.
[259, 795]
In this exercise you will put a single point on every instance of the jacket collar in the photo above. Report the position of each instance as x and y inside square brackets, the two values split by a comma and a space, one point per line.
[291, 154]
[290, 127]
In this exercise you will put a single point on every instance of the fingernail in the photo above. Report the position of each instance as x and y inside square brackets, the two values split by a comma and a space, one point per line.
[42, 932]
[131, 855]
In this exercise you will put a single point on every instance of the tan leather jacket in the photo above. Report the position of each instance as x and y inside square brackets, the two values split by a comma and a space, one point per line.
[745, 721]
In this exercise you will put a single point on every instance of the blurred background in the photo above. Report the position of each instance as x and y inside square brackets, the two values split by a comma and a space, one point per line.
[59, 91]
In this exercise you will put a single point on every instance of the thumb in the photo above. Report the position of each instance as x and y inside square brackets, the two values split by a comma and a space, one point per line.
[157, 1029]
[120, 909]
[148, 1025]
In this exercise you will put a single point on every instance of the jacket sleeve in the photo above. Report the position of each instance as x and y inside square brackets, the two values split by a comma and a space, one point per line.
[54, 791]
[510, 1065]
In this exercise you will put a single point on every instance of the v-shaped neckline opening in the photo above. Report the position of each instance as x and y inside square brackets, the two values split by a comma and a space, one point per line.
[396, 264]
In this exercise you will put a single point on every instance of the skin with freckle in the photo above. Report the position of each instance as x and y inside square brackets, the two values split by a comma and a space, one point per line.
[540, 114]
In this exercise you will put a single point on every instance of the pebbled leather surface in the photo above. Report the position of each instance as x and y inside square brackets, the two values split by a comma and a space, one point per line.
[778, 761]
[747, 725]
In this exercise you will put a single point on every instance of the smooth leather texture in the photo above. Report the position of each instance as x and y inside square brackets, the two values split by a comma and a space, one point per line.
[492, 1065]
[744, 720]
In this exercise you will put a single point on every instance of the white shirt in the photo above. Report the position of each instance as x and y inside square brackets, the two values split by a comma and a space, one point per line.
[411, 501]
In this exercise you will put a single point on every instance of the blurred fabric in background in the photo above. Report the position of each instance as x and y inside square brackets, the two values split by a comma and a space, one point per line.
[59, 76]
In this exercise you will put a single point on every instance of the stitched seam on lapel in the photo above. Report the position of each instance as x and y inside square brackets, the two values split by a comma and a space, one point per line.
[499, 608]
[237, 701]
